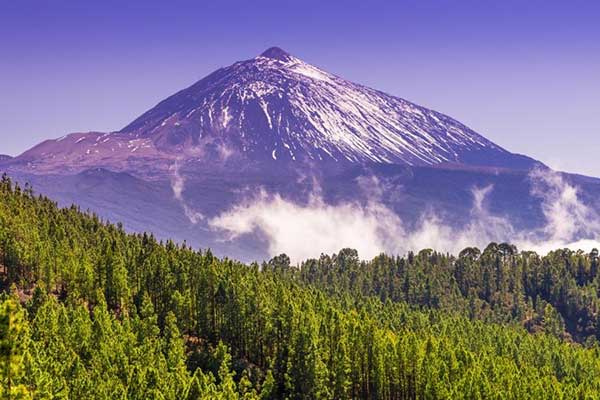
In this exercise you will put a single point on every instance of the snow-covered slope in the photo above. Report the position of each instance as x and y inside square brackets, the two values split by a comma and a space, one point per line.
[275, 108]
[280, 107]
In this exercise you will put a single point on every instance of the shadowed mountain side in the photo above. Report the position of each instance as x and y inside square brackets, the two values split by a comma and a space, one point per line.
[411, 192]
[140, 205]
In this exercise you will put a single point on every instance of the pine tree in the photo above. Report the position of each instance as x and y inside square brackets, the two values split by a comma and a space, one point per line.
[14, 332]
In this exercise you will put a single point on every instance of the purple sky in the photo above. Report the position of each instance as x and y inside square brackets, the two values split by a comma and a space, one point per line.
[525, 74]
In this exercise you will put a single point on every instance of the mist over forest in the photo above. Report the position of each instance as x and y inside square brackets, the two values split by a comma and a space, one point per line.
[88, 310]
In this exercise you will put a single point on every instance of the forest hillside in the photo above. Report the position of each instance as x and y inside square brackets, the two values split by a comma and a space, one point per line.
[90, 311]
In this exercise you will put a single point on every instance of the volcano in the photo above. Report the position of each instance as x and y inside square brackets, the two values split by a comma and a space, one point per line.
[278, 107]
[277, 124]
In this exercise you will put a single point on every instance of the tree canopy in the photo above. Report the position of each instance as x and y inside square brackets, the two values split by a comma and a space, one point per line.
[90, 311]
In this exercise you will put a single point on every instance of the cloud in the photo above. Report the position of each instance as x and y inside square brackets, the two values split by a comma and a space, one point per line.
[209, 149]
[570, 223]
[305, 230]
[224, 151]
[177, 186]
[481, 229]
[566, 215]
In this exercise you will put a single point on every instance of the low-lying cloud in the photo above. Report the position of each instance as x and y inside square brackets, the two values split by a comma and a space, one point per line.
[570, 223]
[177, 185]
[306, 230]
[303, 231]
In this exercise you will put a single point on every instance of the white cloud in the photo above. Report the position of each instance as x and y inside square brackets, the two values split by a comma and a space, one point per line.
[566, 215]
[177, 185]
[305, 230]
[570, 223]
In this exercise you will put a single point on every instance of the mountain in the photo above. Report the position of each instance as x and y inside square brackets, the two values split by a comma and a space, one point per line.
[277, 107]
[4, 157]
[275, 124]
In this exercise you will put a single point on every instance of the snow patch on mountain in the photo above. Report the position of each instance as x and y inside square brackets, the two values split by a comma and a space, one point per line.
[277, 99]
[275, 108]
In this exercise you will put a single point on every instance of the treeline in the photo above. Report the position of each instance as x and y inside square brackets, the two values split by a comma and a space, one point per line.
[557, 293]
[89, 311]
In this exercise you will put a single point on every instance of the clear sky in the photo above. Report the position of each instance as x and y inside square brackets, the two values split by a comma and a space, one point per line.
[525, 74]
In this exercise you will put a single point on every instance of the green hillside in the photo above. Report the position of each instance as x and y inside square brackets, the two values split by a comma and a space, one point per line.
[88, 311]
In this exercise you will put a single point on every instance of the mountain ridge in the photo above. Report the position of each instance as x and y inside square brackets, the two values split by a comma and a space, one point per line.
[292, 99]
[276, 107]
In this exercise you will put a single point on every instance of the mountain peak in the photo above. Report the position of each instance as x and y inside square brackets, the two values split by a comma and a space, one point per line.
[276, 53]
[277, 108]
